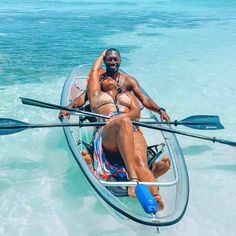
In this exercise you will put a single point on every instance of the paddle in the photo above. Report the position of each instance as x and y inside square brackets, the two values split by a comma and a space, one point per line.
[10, 126]
[32, 102]
[203, 122]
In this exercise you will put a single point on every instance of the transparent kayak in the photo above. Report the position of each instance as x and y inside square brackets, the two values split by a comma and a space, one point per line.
[174, 185]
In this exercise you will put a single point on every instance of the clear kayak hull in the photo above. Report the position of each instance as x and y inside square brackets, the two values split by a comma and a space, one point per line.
[174, 185]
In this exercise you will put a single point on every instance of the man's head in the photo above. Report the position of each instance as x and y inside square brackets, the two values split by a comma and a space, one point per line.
[112, 61]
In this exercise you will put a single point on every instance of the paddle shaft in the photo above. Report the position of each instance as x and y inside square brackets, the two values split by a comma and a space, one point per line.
[213, 139]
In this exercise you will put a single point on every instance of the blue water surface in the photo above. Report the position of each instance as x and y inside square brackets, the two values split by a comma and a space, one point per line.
[182, 53]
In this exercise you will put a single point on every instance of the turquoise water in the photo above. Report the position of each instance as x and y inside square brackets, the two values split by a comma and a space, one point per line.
[183, 54]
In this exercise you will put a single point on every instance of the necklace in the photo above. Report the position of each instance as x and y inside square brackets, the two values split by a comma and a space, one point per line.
[119, 89]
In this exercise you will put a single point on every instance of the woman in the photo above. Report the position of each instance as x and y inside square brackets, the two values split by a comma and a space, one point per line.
[118, 141]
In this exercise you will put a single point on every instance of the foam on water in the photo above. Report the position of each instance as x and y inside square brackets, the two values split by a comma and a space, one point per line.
[183, 54]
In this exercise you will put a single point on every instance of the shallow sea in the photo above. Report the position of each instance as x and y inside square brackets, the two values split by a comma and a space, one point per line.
[182, 52]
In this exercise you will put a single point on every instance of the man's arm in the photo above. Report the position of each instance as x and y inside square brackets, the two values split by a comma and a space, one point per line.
[79, 101]
[145, 100]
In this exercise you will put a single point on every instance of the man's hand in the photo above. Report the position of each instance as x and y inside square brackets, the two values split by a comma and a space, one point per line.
[164, 116]
[63, 114]
[104, 53]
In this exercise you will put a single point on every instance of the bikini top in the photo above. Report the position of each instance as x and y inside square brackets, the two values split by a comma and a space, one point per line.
[106, 98]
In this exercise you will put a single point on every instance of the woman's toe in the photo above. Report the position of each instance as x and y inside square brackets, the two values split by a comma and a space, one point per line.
[159, 202]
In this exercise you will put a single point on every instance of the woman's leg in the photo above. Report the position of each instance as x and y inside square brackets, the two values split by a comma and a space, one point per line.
[118, 135]
[141, 166]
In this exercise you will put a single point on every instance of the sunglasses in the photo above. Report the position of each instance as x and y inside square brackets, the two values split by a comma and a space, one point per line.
[110, 59]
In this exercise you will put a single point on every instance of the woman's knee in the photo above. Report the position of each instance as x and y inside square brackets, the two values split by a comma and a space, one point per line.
[124, 122]
[117, 124]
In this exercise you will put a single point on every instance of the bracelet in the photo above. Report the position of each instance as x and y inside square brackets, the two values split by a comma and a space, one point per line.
[130, 179]
[161, 109]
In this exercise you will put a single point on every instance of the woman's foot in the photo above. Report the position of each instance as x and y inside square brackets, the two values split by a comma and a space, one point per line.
[131, 189]
[88, 159]
[159, 201]
[161, 167]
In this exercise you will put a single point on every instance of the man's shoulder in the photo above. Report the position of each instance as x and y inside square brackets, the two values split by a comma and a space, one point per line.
[128, 78]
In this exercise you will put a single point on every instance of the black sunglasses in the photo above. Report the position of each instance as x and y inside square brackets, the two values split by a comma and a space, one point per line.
[110, 59]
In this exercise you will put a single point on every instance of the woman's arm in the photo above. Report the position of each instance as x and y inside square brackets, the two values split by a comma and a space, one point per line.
[94, 87]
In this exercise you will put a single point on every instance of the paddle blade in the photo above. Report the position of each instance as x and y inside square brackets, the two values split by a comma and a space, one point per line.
[10, 126]
[32, 102]
[203, 122]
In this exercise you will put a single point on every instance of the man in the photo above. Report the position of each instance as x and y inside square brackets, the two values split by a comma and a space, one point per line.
[112, 61]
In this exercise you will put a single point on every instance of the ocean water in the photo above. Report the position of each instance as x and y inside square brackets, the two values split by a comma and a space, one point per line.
[182, 52]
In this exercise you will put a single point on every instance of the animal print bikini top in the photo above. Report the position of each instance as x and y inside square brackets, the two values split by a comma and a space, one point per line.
[106, 98]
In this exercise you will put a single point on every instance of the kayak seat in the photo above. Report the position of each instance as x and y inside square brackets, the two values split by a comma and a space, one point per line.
[153, 153]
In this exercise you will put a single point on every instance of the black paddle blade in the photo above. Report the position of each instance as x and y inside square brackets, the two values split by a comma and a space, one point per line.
[203, 122]
[32, 102]
[10, 126]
